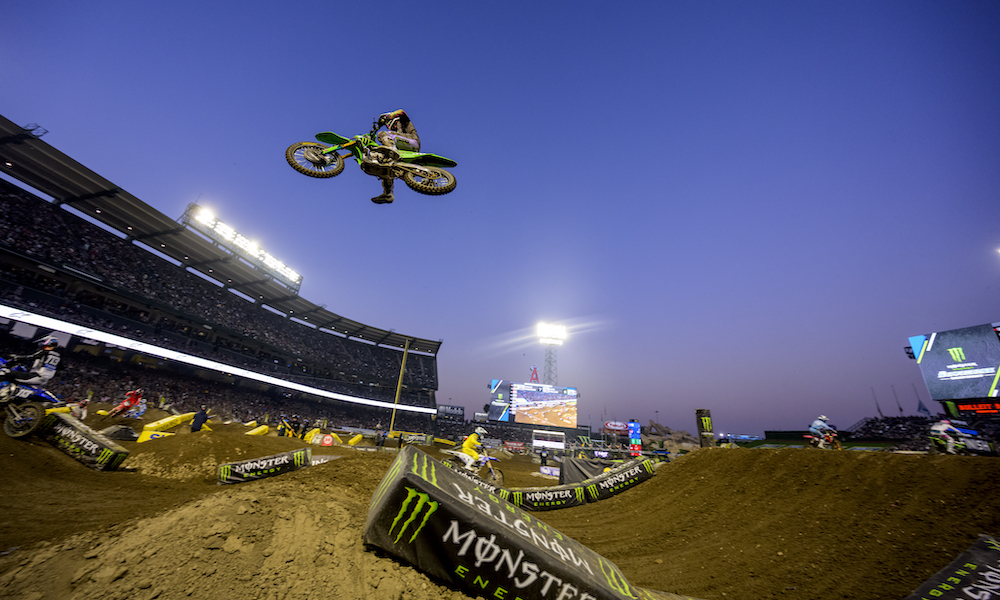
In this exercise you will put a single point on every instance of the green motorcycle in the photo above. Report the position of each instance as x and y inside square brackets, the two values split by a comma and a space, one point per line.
[420, 171]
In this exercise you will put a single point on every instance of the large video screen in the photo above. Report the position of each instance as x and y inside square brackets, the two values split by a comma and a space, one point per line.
[542, 404]
[959, 364]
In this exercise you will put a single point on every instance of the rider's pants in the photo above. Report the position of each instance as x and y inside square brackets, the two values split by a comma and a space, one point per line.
[398, 140]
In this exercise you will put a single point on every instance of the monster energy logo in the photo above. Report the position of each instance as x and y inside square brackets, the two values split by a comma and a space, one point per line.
[225, 472]
[105, 456]
[956, 353]
[426, 468]
[300, 459]
[706, 423]
[616, 580]
[413, 512]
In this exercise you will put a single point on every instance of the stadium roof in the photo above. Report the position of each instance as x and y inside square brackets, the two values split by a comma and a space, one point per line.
[28, 159]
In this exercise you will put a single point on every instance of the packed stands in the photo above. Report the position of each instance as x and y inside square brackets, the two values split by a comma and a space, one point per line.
[56, 263]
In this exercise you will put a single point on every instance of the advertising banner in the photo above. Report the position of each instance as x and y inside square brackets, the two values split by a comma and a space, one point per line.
[974, 574]
[618, 479]
[448, 527]
[550, 498]
[268, 466]
[73, 437]
[706, 434]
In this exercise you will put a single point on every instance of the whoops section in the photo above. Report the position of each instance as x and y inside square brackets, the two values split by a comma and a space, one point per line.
[468, 535]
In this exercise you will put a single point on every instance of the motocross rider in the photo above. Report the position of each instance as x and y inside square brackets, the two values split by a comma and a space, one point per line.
[43, 364]
[131, 401]
[818, 430]
[400, 133]
[942, 430]
[471, 447]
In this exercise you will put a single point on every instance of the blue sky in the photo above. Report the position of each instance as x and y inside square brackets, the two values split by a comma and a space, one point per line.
[746, 207]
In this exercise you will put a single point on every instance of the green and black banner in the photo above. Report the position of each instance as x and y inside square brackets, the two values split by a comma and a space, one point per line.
[267, 466]
[974, 574]
[550, 498]
[452, 529]
[72, 436]
[618, 479]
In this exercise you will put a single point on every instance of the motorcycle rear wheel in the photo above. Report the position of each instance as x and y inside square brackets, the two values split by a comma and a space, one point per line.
[494, 477]
[430, 181]
[32, 414]
[308, 158]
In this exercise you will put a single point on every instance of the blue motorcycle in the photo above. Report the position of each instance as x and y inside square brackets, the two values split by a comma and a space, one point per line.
[23, 405]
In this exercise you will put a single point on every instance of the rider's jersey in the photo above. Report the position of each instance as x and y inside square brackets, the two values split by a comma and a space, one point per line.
[398, 121]
[45, 363]
[943, 429]
[132, 398]
[820, 426]
[471, 445]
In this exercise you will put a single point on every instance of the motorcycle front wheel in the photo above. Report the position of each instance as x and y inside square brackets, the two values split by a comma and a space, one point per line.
[31, 415]
[308, 158]
[430, 181]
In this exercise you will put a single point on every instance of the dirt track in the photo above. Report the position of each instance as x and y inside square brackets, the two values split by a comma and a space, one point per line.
[715, 524]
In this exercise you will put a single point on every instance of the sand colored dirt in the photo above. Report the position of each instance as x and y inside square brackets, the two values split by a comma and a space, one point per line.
[714, 524]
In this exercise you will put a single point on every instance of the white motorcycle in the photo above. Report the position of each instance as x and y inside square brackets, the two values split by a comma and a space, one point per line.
[482, 468]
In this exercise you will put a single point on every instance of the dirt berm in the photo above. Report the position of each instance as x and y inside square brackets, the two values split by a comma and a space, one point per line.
[715, 524]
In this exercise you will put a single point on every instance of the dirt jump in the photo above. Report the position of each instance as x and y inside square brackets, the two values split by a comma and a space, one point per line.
[714, 524]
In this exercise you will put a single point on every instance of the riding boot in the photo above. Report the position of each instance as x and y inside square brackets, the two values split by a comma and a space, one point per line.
[386, 197]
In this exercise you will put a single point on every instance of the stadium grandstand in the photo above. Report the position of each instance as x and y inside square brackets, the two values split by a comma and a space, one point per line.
[76, 248]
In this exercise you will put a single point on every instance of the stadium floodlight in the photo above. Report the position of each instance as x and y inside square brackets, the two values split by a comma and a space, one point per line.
[551, 334]
[202, 220]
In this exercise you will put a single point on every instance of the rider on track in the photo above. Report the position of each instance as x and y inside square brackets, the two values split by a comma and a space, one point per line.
[942, 430]
[131, 401]
[43, 364]
[819, 428]
[400, 133]
[471, 447]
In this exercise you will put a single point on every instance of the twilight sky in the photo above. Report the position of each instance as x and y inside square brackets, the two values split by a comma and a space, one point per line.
[745, 207]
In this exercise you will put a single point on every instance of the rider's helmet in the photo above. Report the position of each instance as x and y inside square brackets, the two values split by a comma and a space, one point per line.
[480, 431]
[822, 418]
[50, 343]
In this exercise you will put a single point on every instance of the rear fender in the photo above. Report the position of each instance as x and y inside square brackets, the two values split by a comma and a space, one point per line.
[423, 158]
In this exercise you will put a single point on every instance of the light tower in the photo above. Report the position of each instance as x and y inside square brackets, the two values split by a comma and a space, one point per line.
[551, 336]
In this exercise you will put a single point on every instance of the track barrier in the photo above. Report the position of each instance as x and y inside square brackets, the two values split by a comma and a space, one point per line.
[267, 466]
[473, 539]
[76, 439]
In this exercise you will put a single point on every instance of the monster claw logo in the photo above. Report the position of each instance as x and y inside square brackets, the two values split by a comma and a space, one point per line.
[422, 501]
[299, 458]
[706, 423]
[615, 579]
[956, 353]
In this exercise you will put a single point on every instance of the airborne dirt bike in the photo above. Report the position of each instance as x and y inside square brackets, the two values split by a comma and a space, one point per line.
[420, 171]
[830, 441]
[483, 468]
[23, 405]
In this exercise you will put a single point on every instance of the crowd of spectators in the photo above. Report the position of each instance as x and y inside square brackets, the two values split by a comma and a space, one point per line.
[105, 379]
[169, 304]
